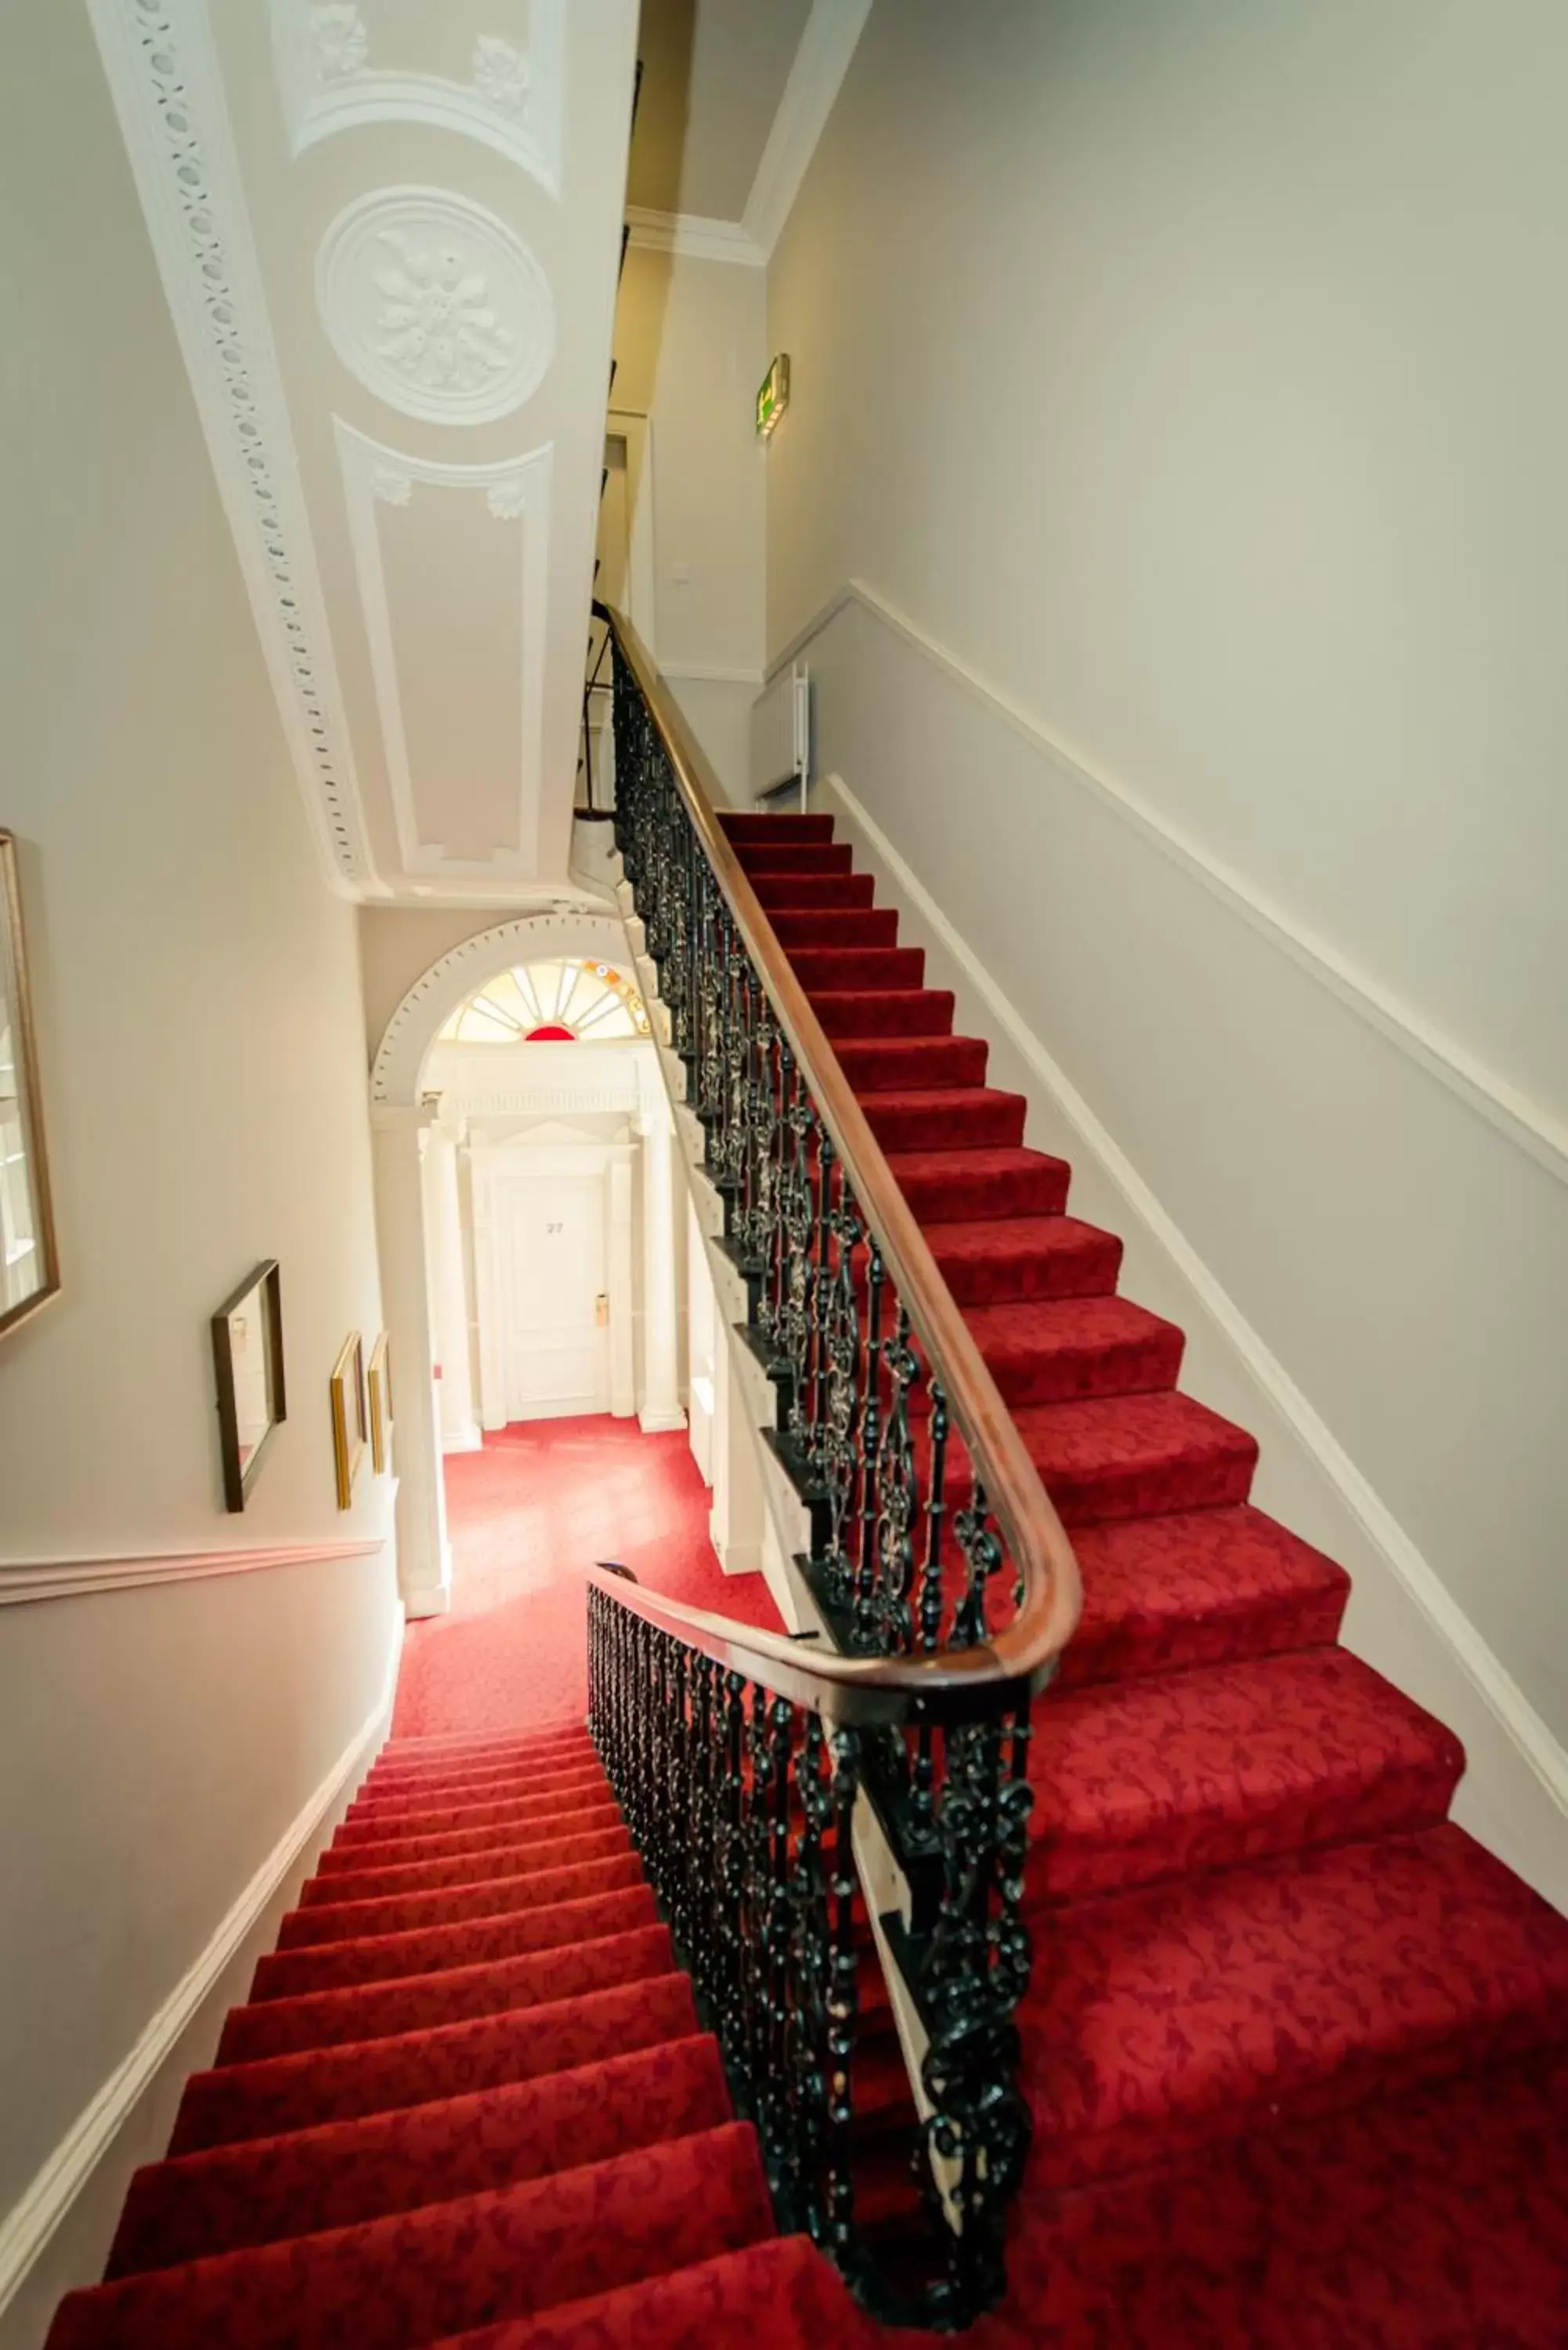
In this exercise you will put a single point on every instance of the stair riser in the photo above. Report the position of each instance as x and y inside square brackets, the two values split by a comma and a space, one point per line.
[854, 971]
[799, 893]
[924, 1013]
[382, 1822]
[477, 1787]
[744, 829]
[1069, 1867]
[354, 1918]
[777, 858]
[875, 927]
[467, 1942]
[342, 2175]
[372, 1880]
[400, 2283]
[994, 1124]
[353, 1851]
[283, 2093]
[883, 1065]
[1221, 1635]
[382, 2010]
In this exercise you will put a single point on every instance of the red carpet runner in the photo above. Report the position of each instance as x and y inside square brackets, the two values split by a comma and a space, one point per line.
[1297, 2048]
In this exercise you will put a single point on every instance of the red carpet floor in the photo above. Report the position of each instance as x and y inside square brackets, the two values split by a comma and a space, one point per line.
[527, 1516]
[1296, 2048]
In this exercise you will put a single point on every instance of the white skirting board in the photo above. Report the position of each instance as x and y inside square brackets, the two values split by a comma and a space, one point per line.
[56, 2238]
[1401, 1619]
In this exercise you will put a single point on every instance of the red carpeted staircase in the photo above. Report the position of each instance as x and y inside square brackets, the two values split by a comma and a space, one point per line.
[1296, 2048]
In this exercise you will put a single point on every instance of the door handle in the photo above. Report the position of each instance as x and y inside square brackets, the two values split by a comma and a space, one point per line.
[601, 1309]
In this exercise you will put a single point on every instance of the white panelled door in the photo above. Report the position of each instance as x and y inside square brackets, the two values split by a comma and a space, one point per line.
[547, 1349]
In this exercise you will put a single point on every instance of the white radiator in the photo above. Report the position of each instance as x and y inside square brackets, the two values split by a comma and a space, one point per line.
[780, 735]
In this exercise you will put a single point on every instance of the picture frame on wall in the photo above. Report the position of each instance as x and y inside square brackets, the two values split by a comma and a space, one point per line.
[29, 1260]
[379, 1380]
[247, 1357]
[349, 1416]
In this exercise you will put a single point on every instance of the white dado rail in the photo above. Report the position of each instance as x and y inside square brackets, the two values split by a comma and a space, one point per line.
[27, 1580]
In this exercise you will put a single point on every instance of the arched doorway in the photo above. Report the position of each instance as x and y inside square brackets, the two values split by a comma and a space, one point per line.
[530, 1254]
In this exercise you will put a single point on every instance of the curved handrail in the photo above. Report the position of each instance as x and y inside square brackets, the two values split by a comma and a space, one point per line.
[1036, 1538]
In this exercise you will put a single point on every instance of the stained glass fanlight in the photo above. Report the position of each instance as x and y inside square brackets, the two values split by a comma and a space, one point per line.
[548, 1003]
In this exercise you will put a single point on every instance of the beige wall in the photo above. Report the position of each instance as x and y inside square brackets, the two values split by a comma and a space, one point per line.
[691, 351]
[203, 1066]
[1188, 375]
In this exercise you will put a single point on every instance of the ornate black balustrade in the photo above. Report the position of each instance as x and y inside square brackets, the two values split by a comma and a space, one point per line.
[935, 1559]
[742, 1797]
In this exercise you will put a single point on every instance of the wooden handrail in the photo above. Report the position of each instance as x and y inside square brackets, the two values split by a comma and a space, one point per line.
[1035, 1536]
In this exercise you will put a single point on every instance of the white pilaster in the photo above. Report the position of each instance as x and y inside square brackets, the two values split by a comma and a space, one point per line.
[460, 1431]
[735, 1520]
[661, 1308]
[424, 1554]
[623, 1375]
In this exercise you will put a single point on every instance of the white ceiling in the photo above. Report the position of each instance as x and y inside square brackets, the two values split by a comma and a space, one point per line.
[389, 233]
[713, 73]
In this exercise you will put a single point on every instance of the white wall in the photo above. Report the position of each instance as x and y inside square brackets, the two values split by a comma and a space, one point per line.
[691, 351]
[1187, 377]
[203, 1080]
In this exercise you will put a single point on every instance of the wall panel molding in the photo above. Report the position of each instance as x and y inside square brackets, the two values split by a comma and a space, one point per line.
[514, 493]
[1526, 1123]
[333, 75]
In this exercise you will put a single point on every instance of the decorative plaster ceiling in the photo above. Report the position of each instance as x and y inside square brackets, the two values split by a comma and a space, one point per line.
[389, 236]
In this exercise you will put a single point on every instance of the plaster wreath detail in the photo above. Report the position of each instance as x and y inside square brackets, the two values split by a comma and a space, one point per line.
[501, 76]
[338, 40]
[436, 305]
[393, 489]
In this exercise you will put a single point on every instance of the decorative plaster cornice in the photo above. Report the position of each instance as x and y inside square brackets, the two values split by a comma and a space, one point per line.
[692, 237]
[164, 79]
[815, 77]
[832, 31]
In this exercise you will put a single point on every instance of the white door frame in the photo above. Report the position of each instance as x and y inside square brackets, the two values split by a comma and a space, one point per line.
[490, 1162]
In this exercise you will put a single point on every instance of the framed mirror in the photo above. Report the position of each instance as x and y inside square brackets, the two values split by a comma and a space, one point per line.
[348, 1428]
[29, 1268]
[247, 1352]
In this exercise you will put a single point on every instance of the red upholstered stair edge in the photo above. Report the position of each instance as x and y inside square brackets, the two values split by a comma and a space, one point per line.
[1296, 2047]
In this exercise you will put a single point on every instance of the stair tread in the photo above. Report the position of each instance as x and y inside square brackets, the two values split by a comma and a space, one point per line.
[396, 2282]
[1141, 1779]
[717, 2300]
[526, 1892]
[1168, 2016]
[334, 2174]
[371, 1879]
[1051, 1348]
[1437, 2217]
[400, 2003]
[467, 1940]
[1197, 1587]
[274, 2094]
[356, 1848]
[1137, 1455]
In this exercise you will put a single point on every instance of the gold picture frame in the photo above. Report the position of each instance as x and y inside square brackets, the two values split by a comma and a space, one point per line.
[349, 1417]
[380, 1381]
[29, 1260]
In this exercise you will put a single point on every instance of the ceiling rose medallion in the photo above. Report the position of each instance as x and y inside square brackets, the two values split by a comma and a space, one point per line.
[435, 305]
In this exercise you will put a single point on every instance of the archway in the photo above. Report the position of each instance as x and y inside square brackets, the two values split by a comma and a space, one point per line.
[417, 1188]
